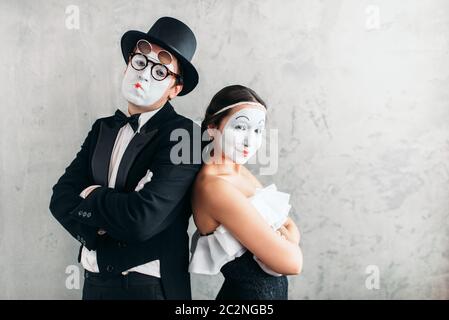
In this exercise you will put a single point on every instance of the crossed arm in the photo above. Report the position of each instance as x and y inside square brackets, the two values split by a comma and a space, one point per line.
[139, 215]
[66, 197]
[250, 229]
[128, 216]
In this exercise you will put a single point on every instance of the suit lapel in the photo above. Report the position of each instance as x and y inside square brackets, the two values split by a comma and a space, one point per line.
[103, 150]
[138, 143]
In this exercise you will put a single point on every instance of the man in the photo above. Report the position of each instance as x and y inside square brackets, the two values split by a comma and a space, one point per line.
[123, 197]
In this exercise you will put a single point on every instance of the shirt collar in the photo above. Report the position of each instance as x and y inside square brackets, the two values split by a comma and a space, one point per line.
[144, 117]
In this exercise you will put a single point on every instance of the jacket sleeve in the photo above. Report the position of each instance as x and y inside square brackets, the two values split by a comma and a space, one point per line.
[140, 215]
[66, 195]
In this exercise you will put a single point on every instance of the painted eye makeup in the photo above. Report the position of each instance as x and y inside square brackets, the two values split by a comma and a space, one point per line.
[240, 126]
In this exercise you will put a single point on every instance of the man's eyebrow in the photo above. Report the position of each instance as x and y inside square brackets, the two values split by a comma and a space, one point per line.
[242, 117]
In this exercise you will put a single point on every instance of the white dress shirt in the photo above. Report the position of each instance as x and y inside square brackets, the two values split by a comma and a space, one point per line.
[124, 136]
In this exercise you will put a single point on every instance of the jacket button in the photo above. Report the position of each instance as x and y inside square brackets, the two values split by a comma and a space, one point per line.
[109, 268]
[121, 244]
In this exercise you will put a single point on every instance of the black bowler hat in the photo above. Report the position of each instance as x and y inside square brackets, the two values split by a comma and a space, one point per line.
[174, 36]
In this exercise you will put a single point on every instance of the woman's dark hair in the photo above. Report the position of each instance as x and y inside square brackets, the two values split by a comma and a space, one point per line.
[223, 98]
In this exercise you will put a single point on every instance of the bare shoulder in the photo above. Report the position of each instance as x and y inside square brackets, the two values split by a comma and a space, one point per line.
[210, 187]
[214, 194]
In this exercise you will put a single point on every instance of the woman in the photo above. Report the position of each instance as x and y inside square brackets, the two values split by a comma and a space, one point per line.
[239, 233]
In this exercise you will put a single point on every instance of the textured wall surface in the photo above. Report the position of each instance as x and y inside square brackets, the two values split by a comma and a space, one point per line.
[359, 91]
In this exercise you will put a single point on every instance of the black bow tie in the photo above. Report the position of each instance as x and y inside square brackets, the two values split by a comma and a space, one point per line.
[122, 119]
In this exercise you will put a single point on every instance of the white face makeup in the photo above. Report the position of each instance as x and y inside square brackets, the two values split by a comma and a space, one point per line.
[242, 134]
[140, 88]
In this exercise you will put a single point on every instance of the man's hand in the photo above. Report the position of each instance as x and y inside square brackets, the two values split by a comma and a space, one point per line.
[144, 180]
[88, 190]
[147, 178]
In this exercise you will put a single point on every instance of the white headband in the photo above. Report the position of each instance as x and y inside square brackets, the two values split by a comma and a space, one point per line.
[238, 104]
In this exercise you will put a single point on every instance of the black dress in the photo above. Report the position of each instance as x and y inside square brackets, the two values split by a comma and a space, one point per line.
[245, 280]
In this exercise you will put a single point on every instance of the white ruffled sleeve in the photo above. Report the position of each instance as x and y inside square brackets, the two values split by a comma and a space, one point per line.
[211, 252]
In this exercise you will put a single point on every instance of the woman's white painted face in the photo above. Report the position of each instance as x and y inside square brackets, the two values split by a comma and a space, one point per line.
[242, 134]
[140, 88]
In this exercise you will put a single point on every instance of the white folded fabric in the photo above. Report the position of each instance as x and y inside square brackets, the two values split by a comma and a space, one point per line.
[211, 252]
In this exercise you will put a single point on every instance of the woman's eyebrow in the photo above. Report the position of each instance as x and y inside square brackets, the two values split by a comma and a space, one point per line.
[242, 117]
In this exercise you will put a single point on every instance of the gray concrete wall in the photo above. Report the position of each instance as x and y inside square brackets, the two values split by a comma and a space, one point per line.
[358, 90]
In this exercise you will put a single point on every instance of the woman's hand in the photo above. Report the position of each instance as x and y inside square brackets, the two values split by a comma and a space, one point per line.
[282, 233]
[289, 231]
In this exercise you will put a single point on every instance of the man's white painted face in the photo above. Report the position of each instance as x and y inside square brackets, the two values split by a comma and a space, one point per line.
[139, 86]
[242, 134]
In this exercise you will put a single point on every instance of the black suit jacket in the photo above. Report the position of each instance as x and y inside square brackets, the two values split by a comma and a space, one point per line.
[141, 226]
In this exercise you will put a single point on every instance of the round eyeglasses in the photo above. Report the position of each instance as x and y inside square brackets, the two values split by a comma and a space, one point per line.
[159, 71]
[146, 48]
